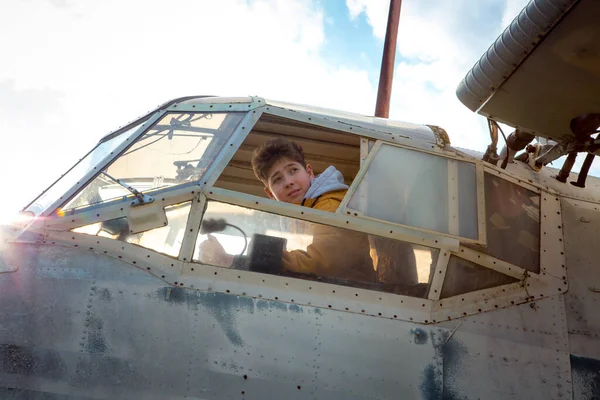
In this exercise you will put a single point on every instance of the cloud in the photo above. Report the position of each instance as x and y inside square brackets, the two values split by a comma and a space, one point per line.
[24, 106]
[60, 3]
[110, 52]
[438, 43]
[74, 71]
[376, 12]
[30, 122]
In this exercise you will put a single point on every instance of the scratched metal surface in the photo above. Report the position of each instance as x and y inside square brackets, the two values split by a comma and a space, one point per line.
[81, 325]
[581, 229]
[76, 324]
[520, 352]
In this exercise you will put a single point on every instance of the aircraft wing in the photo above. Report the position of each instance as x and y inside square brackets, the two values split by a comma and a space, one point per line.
[543, 70]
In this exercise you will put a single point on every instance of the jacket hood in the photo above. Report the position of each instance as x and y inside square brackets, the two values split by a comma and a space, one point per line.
[329, 180]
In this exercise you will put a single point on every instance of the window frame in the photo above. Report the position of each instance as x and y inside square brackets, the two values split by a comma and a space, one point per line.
[183, 272]
[339, 220]
[147, 121]
[215, 169]
[479, 176]
[87, 178]
[164, 207]
[121, 151]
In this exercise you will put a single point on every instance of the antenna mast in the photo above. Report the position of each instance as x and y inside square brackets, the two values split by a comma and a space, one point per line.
[382, 109]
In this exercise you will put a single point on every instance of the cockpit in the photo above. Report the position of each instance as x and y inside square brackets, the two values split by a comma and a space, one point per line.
[424, 232]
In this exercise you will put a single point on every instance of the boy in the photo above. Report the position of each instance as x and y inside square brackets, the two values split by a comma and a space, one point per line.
[279, 164]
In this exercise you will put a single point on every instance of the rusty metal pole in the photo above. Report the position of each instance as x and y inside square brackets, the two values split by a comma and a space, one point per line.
[382, 109]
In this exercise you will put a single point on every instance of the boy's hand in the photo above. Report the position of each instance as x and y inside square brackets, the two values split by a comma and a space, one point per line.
[212, 252]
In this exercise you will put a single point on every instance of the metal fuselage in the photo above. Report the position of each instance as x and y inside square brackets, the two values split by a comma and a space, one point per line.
[90, 317]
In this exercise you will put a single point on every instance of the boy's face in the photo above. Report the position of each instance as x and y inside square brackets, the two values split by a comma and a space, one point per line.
[288, 181]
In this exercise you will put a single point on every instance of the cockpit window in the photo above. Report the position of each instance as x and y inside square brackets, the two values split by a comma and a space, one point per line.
[513, 223]
[322, 147]
[103, 150]
[420, 190]
[166, 239]
[242, 238]
[177, 150]
[464, 276]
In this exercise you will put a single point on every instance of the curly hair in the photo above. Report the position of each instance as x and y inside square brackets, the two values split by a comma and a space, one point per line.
[271, 152]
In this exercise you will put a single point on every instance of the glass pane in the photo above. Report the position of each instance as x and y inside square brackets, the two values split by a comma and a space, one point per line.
[80, 170]
[238, 237]
[166, 240]
[464, 276]
[467, 195]
[177, 150]
[513, 223]
[420, 190]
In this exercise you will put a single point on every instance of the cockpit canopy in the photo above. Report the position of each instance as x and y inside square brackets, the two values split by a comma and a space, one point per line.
[169, 147]
[424, 220]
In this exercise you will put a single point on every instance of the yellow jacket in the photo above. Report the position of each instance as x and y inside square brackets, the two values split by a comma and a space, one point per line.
[326, 202]
[334, 252]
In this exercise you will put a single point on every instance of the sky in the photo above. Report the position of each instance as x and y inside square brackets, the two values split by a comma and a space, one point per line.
[71, 71]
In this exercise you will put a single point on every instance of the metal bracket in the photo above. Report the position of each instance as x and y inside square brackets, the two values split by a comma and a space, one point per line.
[142, 199]
[549, 153]
[141, 219]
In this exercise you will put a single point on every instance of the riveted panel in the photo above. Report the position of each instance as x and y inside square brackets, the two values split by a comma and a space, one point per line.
[503, 369]
[86, 325]
[582, 226]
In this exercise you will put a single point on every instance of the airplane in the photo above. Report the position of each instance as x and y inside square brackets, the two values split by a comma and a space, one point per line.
[485, 282]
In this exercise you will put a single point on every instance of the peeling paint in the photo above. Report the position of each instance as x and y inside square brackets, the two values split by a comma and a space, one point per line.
[295, 308]
[105, 294]
[262, 305]
[18, 394]
[586, 377]
[94, 371]
[29, 361]
[96, 343]
[278, 305]
[431, 384]
[419, 336]
[454, 354]
[222, 307]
